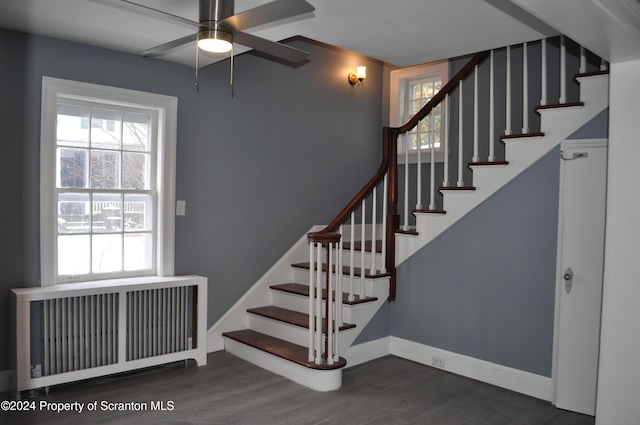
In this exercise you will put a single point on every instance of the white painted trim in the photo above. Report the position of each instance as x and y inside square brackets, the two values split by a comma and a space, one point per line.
[5, 381]
[491, 373]
[367, 351]
[167, 109]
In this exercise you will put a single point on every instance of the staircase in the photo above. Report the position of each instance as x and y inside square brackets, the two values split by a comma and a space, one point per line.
[299, 321]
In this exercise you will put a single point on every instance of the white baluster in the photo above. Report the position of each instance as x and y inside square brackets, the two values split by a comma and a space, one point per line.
[460, 128]
[406, 184]
[339, 277]
[330, 303]
[352, 256]
[583, 60]
[445, 180]
[362, 250]
[525, 90]
[476, 158]
[432, 174]
[385, 209]
[374, 211]
[311, 298]
[318, 327]
[419, 170]
[507, 131]
[543, 72]
[563, 71]
[492, 136]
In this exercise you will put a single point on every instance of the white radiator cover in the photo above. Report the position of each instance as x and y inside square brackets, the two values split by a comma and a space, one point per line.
[98, 328]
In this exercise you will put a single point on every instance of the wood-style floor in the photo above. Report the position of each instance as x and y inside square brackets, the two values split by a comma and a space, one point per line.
[228, 390]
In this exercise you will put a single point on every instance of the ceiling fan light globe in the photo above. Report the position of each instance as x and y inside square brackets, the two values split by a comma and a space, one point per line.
[214, 41]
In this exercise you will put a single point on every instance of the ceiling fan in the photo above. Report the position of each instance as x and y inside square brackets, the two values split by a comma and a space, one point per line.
[219, 28]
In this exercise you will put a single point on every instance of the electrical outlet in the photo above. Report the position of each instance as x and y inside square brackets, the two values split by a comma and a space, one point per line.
[437, 362]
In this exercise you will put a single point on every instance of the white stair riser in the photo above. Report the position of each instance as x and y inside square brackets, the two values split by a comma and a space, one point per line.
[317, 380]
[292, 333]
[301, 303]
[302, 276]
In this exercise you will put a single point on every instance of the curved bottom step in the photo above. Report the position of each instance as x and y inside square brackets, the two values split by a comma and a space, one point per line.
[285, 359]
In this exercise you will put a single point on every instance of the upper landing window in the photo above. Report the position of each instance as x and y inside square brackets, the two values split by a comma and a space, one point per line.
[411, 89]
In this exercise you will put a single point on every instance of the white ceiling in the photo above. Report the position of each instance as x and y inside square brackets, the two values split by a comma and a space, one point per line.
[400, 32]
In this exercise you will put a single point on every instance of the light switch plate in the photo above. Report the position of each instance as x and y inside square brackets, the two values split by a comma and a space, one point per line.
[181, 207]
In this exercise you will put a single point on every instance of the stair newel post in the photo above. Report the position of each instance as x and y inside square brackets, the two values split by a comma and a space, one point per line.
[329, 242]
[318, 317]
[405, 223]
[432, 171]
[374, 238]
[390, 143]
[383, 230]
[328, 314]
[311, 301]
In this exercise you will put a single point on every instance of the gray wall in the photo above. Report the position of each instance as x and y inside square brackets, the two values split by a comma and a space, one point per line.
[257, 170]
[485, 288]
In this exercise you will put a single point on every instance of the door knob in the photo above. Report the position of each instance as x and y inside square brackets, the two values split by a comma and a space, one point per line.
[568, 279]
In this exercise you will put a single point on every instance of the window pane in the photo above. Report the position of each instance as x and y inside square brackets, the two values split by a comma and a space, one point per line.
[135, 170]
[138, 212]
[72, 166]
[107, 212]
[106, 253]
[138, 251]
[135, 132]
[74, 215]
[105, 170]
[72, 126]
[73, 255]
[106, 129]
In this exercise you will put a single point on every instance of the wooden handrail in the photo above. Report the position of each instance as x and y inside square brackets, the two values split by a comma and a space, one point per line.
[389, 165]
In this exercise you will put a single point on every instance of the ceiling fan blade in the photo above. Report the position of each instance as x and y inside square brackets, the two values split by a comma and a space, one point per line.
[269, 12]
[269, 47]
[167, 47]
[149, 12]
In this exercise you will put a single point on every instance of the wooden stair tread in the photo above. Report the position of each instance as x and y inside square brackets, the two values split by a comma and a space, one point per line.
[303, 290]
[454, 188]
[345, 270]
[367, 246]
[292, 317]
[488, 163]
[440, 212]
[518, 136]
[407, 232]
[278, 347]
[560, 105]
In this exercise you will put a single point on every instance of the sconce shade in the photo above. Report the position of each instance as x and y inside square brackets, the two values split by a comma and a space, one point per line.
[361, 72]
[214, 41]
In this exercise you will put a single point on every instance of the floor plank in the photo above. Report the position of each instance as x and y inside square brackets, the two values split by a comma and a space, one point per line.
[228, 390]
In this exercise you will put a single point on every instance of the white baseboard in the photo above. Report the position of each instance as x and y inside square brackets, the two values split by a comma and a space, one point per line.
[502, 376]
[367, 351]
[491, 373]
[5, 381]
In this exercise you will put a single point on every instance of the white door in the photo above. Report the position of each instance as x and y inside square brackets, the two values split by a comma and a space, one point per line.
[583, 175]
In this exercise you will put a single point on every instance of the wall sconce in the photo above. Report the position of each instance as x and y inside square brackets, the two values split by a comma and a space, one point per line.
[358, 77]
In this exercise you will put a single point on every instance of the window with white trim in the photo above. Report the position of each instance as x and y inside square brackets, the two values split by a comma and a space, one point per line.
[107, 184]
[411, 89]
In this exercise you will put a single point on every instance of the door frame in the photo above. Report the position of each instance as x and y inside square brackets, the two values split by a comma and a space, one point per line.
[559, 287]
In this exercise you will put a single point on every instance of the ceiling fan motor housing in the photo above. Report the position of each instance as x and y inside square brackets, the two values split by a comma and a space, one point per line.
[214, 11]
